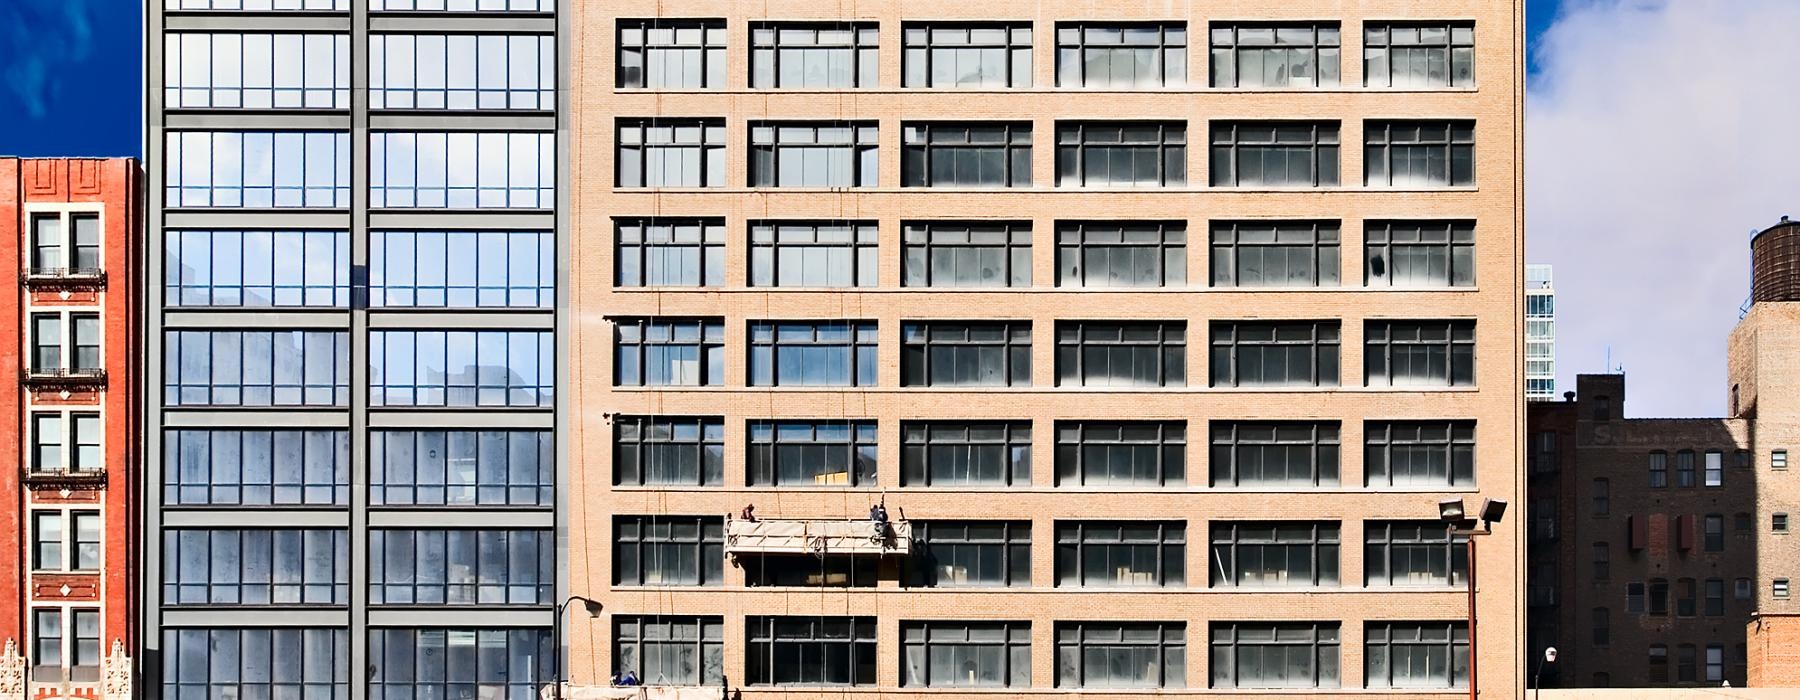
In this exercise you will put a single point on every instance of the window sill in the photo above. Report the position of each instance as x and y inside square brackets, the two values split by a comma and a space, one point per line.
[1039, 590]
[1379, 391]
[1035, 290]
[1058, 90]
[1011, 191]
[1042, 490]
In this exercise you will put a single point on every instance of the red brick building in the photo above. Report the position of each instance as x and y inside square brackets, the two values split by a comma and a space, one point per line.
[72, 228]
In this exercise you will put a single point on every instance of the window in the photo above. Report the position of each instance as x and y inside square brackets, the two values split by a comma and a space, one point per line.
[1414, 553]
[665, 152]
[460, 5]
[256, 71]
[237, 268]
[799, 453]
[51, 451]
[461, 567]
[1602, 408]
[1121, 254]
[1685, 594]
[670, 650]
[1778, 459]
[256, 567]
[1780, 588]
[1121, 55]
[1419, 353]
[462, 368]
[250, 467]
[65, 648]
[53, 353]
[1124, 554]
[1715, 532]
[813, 154]
[1274, 353]
[973, 553]
[462, 170]
[668, 451]
[1274, 554]
[1659, 469]
[462, 468]
[967, 254]
[1418, 454]
[1740, 589]
[965, 453]
[670, 252]
[669, 352]
[443, 663]
[811, 650]
[256, 662]
[1275, 55]
[1714, 474]
[1275, 254]
[258, 5]
[1602, 561]
[65, 540]
[1121, 655]
[1274, 655]
[1634, 597]
[965, 654]
[949, 353]
[1121, 154]
[984, 55]
[814, 55]
[1715, 663]
[1287, 454]
[1602, 627]
[50, 244]
[1740, 458]
[462, 269]
[1684, 663]
[256, 368]
[671, 54]
[810, 570]
[1659, 596]
[1419, 55]
[1419, 154]
[1715, 597]
[1416, 655]
[1741, 523]
[1112, 354]
[956, 154]
[257, 169]
[1602, 498]
[1684, 468]
[663, 550]
[1274, 154]
[462, 71]
[813, 254]
[812, 353]
[46, 343]
[1659, 663]
[1120, 454]
[1419, 253]
[1779, 523]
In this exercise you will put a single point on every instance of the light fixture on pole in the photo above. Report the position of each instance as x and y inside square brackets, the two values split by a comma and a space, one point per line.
[1537, 679]
[593, 608]
[1451, 511]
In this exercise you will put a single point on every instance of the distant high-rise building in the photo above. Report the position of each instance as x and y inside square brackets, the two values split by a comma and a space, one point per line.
[1540, 334]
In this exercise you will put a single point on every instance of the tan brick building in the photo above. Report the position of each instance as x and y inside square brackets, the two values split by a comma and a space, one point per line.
[1143, 414]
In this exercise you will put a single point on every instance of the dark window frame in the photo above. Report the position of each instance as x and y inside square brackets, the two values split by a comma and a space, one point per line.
[921, 237]
[1324, 338]
[923, 143]
[1075, 140]
[1075, 438]
[640, 433]
[1227, 460]
[922, 341]
[1386, 342]
[1074, 345]
[1165, 540]
[1231, 145]
[635, 240]
[1274, 544]
[639, 541]
[638, 339]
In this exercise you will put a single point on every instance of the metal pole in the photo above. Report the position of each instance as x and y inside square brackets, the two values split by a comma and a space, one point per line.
[1472, 639]
[556, 652]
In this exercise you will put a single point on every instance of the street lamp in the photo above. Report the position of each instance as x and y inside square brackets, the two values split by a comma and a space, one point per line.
[1450, 510]
[593, 610]
[1537, 679]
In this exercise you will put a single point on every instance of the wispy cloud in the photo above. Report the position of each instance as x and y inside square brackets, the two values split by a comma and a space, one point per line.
[39, 39]
[1659, 134]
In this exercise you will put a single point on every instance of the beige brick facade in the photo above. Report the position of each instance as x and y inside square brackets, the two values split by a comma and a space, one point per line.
[1494, 402]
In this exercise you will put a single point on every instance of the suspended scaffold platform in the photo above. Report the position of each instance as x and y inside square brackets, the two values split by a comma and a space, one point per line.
[818, 537]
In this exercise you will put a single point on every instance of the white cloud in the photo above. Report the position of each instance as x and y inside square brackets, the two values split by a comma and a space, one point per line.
[1659, 134]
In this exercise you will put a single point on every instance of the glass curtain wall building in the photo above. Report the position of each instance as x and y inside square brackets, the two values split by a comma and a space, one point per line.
[1540, 334]
[351, 441]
